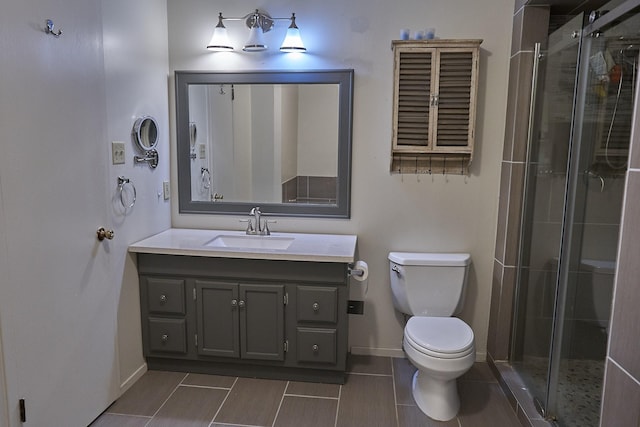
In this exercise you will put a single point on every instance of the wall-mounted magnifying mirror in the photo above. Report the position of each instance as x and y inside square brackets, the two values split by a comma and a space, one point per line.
[145, 135]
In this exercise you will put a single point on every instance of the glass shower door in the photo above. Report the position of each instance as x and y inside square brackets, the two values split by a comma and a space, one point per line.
[600, 148]
[543, 214]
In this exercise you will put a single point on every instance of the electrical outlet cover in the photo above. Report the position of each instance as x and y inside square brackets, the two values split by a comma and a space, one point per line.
[166, 190]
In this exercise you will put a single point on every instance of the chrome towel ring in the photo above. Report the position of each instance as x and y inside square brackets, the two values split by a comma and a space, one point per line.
[122, 182]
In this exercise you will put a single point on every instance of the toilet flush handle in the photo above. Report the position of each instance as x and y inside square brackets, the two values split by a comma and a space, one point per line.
[396, 269]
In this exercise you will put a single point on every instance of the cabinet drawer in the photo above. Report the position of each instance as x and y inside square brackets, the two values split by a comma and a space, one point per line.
[316, 345]
[165, 296]
[317, 304]
[167, 335]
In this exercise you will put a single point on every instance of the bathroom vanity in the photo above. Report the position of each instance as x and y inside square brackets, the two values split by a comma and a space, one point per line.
[223, 302]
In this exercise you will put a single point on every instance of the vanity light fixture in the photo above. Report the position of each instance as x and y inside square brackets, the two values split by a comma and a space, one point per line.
[258, 24]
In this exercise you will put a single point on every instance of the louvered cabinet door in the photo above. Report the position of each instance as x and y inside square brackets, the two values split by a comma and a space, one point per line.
[434, 101]
[455, 100]
[413, 93]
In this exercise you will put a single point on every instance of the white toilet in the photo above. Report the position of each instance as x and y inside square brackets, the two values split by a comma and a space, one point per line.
[430, 287]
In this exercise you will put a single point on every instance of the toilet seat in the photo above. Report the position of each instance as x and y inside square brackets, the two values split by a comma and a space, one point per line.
[441, 337]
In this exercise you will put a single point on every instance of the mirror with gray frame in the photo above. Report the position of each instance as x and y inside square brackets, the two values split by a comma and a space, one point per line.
[280, 140]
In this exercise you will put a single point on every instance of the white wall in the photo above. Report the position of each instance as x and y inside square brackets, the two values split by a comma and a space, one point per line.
[136, 69]
[389, 212]
[318, 131]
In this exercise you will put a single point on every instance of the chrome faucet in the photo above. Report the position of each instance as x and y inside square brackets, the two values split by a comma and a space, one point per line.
[257, 227]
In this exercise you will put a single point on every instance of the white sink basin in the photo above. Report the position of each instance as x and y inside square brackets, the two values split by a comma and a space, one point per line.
[250, 242]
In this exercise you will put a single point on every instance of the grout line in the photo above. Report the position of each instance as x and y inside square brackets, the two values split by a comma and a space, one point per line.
[125, 415]
[338, 406]
[395, 397]
[280, 405]
[166, 400]
[371, 375]
[223, 402]
[312, 397]
[205, 386]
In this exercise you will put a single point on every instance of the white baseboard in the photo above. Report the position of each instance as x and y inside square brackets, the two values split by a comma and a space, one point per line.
[384, 352]
[397, 352]
[126, 385]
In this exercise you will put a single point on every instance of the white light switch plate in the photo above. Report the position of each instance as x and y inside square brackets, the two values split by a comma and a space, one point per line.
[117, 152]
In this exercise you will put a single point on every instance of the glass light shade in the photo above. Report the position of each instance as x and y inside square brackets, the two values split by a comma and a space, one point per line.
[256, 41]
[292, 41]
[220, 40]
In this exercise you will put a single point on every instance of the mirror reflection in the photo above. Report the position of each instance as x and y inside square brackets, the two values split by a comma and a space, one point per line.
[264, 143]
[280, 140]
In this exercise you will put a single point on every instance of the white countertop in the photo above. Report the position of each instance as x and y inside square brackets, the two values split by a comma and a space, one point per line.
[305, 247]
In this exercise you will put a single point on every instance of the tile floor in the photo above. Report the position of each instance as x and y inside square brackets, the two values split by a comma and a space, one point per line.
[377, 394]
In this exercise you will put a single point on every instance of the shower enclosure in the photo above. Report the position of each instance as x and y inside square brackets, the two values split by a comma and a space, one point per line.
[583, 91]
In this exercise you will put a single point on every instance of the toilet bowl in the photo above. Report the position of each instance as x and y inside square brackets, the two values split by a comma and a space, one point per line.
[442, 349]
[430, 288]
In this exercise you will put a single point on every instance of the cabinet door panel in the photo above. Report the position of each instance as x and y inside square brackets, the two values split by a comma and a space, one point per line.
[165, 296]
[167, 335]
[316, 345]
[217, 315]
[317, 304]
[262, 321]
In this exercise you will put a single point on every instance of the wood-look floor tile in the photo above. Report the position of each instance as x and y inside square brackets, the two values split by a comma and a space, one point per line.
[116, 420]
[203, 380]
[483, 404]
[403, 372]
[252, 402]
[367, 401]
[313, 389]
[480, 371]
[412, 416]
[147, 395]
[189, 407]
[369, 364]
[307, 411]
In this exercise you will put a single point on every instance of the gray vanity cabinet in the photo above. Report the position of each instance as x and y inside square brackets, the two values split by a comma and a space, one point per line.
[240, 320]
[245, 317]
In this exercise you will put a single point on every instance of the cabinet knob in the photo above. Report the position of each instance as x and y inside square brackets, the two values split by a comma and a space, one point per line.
[241, 303]
[234, 302]
[315, 348]
[164, 338]
[316, 306]
[163, 299]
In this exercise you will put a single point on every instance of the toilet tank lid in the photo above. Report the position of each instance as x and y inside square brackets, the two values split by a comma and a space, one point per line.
[434, 259]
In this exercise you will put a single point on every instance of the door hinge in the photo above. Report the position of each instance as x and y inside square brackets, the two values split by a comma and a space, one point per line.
[23, 411]
[286, 345]
[196, 337]
[286, 298]
[194, 294]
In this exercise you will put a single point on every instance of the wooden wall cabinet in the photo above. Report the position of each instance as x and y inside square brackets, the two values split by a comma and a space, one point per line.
[434, 105]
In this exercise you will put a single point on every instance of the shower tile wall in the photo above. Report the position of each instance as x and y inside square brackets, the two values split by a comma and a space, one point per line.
[310, 189]
[621, 399]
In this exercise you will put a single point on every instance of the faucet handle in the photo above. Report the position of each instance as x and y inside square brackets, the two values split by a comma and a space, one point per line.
[249, 225]
[266, 230]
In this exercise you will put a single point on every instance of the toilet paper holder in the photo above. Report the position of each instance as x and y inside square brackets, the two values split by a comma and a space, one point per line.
[356, 272]
[359, 270]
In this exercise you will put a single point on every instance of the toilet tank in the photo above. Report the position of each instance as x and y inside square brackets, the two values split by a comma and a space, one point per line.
[428, 284]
